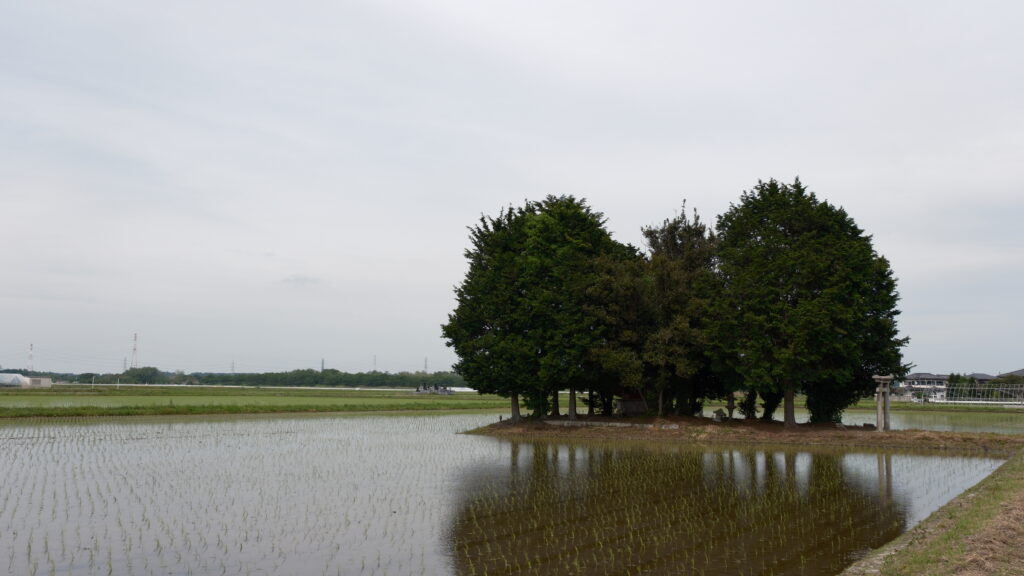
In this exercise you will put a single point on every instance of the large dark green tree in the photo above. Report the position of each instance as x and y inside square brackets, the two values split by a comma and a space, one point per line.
[621, 298]
[807, 305]
[489, 328]
[681, 268]
[524, 323]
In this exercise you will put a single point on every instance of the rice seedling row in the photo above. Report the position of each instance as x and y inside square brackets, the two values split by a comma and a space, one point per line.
[407, 495]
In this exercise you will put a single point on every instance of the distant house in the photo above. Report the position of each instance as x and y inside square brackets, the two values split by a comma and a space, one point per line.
[981, 378]
[926, 384]
[18, 381]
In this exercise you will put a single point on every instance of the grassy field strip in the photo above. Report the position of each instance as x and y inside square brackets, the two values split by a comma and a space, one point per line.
[981, 532]
[84, 401]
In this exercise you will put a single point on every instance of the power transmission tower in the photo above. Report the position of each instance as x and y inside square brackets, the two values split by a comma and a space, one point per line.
[31, 363]
[135, 350]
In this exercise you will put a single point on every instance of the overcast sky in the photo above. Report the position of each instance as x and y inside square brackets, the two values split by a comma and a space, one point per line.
[270, 184]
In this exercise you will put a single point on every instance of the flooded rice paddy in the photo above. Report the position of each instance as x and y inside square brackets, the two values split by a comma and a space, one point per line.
[1005, 421]
[1009, 421]
[408, 495]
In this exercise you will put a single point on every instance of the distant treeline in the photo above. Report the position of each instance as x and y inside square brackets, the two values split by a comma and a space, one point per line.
[55, 376]
[326, 378]
[331, 377]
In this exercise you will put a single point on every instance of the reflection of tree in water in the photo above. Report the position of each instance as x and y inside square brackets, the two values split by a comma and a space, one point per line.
[606, 510]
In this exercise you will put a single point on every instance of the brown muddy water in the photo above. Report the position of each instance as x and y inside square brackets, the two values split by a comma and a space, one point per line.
[403, 495]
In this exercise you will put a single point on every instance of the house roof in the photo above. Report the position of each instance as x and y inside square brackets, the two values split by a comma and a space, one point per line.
[926, 376]
[1014, 373]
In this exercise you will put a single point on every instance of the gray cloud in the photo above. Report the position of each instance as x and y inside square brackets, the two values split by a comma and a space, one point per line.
[300, 280]
[167, 169]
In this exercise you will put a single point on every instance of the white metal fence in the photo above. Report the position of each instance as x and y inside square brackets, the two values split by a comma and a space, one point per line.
[987, 393]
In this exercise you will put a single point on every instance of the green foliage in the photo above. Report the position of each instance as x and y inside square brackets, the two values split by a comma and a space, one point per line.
[620, 302]
[565, 243]
[328, 378]
[807, 304]
[489, 328]
[748, 406]
[145, 375]
[677, 350]
[294, 378]
[789, 297]
[770, 400]
[524, 323]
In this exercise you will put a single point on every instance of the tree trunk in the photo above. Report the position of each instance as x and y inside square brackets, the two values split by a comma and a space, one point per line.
[789, 406]
[515, 407]
[731, 404]
[770, 405]
[683, 398]
[590, 402]
[572, 403]
[555, 412]
[661, 402]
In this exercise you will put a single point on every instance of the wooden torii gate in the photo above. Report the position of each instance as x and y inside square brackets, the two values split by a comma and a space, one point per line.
[882, 402]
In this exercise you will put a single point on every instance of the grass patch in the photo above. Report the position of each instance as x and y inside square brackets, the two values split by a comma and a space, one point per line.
[979, 532]
[158, 400]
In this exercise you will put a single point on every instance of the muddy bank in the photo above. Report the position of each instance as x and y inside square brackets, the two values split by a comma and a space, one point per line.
[749, 432]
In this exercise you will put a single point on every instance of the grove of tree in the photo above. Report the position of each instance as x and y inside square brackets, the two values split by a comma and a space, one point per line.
[786, 296]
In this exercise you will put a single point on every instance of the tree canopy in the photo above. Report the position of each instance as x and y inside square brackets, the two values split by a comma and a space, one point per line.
[523, 324]
[808, 304]
[787, 295]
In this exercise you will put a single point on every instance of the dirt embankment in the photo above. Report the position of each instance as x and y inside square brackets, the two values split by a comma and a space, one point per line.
[747, 432]
[978, 533]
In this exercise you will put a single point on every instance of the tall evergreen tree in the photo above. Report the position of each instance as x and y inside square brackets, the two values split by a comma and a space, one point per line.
[807, 305]
[523, 323]
[489, 327]
[681, 267]
[566, 240]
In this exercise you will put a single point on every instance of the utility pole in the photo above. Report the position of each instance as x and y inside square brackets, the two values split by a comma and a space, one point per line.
[321, 364]
[374, 362]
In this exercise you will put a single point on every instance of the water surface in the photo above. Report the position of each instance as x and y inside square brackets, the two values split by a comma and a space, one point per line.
[1007, 421]
[408, 495]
